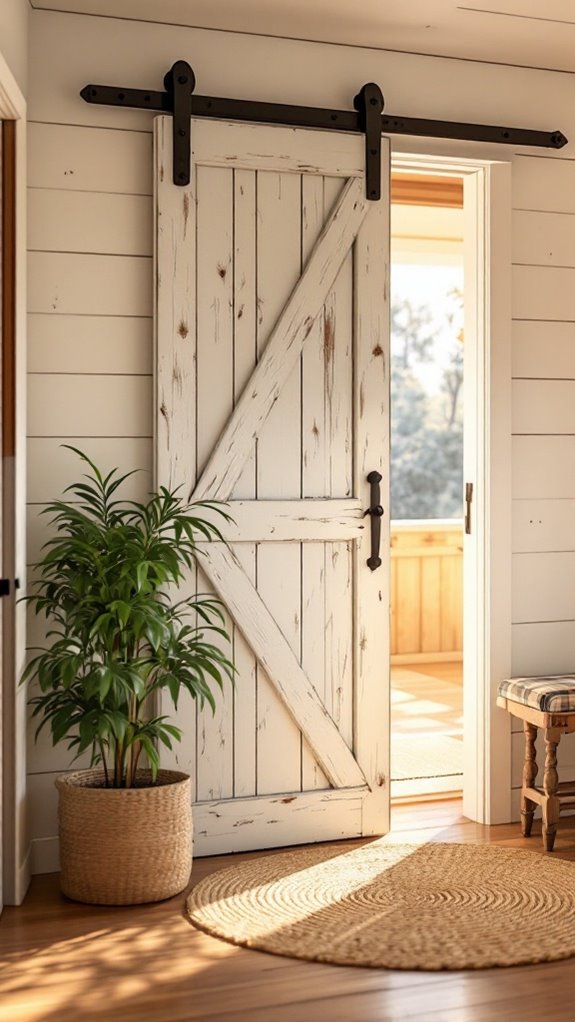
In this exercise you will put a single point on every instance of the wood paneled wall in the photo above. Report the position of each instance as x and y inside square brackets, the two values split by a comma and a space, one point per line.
[91, 276]
[426, 592]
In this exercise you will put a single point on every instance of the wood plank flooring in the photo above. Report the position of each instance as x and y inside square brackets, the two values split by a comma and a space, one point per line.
[426, 730]
[63, 962]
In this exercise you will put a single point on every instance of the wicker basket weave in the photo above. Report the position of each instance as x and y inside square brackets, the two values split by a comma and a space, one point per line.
[124, 846]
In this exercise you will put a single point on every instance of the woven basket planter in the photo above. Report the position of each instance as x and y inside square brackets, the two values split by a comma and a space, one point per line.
[124, 846]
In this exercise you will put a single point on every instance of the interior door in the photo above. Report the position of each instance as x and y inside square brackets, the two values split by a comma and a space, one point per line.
[272, 383]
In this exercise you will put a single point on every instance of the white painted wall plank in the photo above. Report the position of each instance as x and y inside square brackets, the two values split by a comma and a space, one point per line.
[543, 184]
[51, 467]
[543, 467]
[89, 160]
[543, 292]
[543, 239]
[540, 525]
[89, 344]
[95, 222]
[95, 285]
[80, 406]
[543, 587]
[42, 803]
[543, 406]
[543, 350]
[545, 648]
[50, 758]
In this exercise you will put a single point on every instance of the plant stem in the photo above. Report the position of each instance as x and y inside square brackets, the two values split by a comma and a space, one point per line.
[119, 765]
[133, 714]
[104, 764]
[136, 758]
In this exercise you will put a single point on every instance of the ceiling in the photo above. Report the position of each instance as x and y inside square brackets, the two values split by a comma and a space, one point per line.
[524, 32]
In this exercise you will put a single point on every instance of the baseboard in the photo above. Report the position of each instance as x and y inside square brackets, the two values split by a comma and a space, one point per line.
[422, 787]
[14, 895]
[443, 796]
[45, 855]
[455, 656]
[24, 876]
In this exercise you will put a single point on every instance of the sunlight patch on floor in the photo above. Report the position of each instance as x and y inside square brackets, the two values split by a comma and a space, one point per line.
[426, 731]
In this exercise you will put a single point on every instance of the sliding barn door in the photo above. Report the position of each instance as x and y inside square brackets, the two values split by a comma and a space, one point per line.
[272, 394]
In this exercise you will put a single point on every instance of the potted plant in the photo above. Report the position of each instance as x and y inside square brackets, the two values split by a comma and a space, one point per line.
[117, 641]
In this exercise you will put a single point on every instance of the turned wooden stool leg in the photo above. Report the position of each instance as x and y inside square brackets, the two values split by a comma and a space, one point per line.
[529, 774]
[551, 803]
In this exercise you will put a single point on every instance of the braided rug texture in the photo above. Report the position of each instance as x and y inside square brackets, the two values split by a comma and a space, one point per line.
[395, 906]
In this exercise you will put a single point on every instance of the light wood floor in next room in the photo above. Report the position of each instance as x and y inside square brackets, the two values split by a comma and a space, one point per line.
[62, 962]
[426, 730]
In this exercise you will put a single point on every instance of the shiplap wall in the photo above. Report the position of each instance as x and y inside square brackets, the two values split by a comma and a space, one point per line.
[91, 278]
[14, 38]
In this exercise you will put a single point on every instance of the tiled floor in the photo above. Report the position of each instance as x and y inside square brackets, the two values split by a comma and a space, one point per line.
[426, 729]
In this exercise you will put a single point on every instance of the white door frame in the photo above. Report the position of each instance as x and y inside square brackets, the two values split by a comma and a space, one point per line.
[487, 560]
[15, 845]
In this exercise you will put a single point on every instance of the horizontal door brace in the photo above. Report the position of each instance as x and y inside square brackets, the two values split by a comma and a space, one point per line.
[179, 100]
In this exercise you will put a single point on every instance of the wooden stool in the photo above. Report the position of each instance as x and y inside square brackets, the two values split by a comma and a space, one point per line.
[547, 702]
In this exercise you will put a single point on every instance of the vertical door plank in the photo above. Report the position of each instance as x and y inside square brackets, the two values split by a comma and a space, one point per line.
[214, 400]
[371, 450]
[175, 321]
[339, 636]
[245, 693]
[279, 471]
[337, 350]
[338, 387]
[175, 398]
[182, 755]
[314, 480]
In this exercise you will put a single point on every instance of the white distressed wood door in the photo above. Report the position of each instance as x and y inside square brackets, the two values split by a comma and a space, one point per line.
[272, 393]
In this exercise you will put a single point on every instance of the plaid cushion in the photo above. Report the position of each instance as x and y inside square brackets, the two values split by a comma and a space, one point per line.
[554, 693]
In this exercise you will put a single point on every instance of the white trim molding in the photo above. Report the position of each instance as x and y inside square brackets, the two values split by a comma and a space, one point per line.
[15, 844]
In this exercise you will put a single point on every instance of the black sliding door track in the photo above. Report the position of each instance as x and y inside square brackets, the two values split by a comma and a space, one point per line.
[368, 118]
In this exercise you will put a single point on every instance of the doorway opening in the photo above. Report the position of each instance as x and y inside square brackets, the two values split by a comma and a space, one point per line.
[427, 486]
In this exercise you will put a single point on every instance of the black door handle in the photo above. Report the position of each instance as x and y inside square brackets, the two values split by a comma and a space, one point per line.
[375, 511]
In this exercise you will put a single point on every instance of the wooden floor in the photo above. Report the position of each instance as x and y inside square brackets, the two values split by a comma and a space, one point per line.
[426, 729]
[62, 962]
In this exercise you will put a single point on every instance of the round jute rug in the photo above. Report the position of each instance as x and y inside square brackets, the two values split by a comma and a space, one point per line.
[434, 906]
